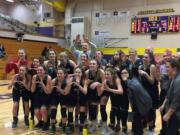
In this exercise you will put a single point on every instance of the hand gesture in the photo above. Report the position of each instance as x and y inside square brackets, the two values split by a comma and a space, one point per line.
[94, 85]
[161, 108]
[106, 87]
[166, 117]
[141, 72]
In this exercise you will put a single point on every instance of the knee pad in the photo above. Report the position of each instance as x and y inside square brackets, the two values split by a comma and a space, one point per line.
[103, 113]
[82, 117]
[93, 111]
[70, 117]
[53, 113]
[63, 112]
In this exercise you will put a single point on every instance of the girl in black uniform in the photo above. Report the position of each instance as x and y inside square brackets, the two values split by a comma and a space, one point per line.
[84, 62]
[67, 64]
[94, 79]
[58, 95]
[52, 58]
[83, 65]
[117, 61]
[123, 99]
[113, 85]
[147, 74]
[32, 71]
[51, 69]
[41, 86]
[21, 88]
[51, 65]
[105, 95]
[76, 90]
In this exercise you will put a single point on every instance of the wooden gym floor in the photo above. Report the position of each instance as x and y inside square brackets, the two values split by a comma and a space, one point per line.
[6, 115]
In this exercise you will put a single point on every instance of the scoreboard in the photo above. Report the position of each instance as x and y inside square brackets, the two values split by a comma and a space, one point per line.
[136, 25]
[174, 22]
[158, 24]
[163, 24]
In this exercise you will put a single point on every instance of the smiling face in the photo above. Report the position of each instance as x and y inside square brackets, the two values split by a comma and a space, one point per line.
[132, 53]
[40, 71]
[93, 65]
[83, 58]
[85, 47]
[146, 59]
[124, 74]
[78, 72]
[108, 75]
[36, 63]
[98, 55]
[60, 74]
[21, 54]
[63, 57]
[22, 71]
[116, 56]
[52, 55]
[167, 56]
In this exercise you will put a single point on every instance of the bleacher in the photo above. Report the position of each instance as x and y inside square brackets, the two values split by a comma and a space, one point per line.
[33, 50]
[8, 23]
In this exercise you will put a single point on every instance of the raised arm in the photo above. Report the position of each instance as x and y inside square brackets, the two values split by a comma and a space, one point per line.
[93, 48]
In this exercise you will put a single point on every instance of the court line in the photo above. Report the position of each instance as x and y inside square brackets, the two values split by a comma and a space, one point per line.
[4, 84]
[9, 100]
[28, 132]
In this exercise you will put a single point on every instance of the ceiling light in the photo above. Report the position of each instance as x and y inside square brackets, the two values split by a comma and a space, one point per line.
[10, 0]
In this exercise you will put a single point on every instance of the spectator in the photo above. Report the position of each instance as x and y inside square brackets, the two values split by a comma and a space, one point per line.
[45, 53]
[2, 51]
[87, 47]
[15, 64]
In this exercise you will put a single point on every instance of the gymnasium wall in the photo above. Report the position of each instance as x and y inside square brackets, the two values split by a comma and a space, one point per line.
[158, 52]
[121, 29]
[3, 8]
[26, 14]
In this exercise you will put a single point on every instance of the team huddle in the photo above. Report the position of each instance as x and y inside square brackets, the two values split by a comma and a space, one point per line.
[83, 88]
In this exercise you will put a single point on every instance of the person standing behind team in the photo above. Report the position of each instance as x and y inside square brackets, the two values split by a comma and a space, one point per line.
[15, 64]
[87, 47]
[21, 88]
[41, 86]
[133, 63]
[101, 61]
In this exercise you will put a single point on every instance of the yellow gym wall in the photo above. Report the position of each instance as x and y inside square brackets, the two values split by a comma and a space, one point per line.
[140, 51]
